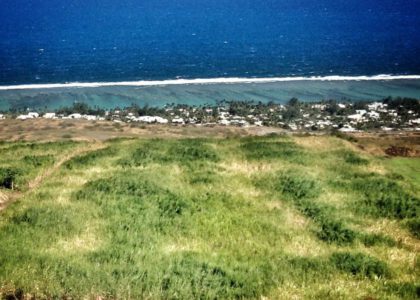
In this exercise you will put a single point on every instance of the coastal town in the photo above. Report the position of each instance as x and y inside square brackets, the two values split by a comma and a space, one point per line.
[388, 114]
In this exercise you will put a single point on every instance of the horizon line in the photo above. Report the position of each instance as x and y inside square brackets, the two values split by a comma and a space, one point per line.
[198, 81]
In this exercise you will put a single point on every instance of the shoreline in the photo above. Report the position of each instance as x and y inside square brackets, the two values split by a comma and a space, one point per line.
[206, 81]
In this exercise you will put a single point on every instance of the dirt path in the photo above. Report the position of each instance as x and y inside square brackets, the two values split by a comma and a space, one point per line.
[5, 200]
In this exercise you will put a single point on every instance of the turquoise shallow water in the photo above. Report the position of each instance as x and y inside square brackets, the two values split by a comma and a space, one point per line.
[198, 94]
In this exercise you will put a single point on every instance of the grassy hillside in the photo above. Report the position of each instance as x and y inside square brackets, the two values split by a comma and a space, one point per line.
[276, 217]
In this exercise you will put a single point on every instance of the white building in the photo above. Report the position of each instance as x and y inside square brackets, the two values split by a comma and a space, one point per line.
[376, 106]
[2, 117]
[178, 121]
[150, 119]
[24, 117]
[347, 128]
[355, 117]
[49, 116]
[224, 122]
[373, 115]
[33, 115]
[90, 117]
[75, 116]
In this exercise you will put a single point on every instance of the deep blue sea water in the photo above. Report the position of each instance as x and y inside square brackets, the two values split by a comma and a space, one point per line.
[63, 41]
[112, 40]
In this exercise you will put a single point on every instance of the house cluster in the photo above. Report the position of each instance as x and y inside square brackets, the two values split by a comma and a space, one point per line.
[346, 116]
[52, 115]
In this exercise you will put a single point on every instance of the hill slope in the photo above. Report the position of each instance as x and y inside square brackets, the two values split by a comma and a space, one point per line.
[276, 217]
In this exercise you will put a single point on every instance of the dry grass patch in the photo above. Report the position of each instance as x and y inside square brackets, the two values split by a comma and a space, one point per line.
[85, 242]
[247, 168]
[393, 229]
[318, 143]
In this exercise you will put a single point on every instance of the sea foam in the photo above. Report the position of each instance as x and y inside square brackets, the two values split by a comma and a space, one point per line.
[231, 80]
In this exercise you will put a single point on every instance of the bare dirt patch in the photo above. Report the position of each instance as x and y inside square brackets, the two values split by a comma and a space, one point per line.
[406, 144]
[82, 130]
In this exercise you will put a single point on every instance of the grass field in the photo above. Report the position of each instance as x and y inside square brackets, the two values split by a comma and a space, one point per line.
[272, 217]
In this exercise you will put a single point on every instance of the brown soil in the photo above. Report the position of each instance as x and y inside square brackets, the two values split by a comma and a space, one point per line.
[52, 130]
[405, 144]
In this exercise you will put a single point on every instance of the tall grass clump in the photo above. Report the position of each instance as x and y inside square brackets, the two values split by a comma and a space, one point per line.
[38, 160]
[90, 158]
[188, 277]
[414, 227]
[353, 159]
[179, 151]
[382, 197]
[302, 191]
[360, 264]
[273, 149]
[370, 240]
[135, 193]
[192, 150]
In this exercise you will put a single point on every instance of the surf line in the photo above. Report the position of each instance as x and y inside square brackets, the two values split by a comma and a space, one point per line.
[231, 80]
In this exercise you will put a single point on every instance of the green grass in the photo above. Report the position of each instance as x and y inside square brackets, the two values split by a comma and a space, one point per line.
[239, 218]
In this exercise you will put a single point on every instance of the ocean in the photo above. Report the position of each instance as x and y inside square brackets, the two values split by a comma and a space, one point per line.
[91, 41]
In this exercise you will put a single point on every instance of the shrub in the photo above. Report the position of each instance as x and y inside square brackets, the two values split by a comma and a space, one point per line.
[38, 161]
[385, 198]
[370, 240]
[171, 205]
[8, 177]
[132, 193]
[359, 264]
[301, 190]
[335, 232]
[89, 158]
[405, 290]
[183, 151]
[54, 219]
[414, 227]
[192, 150]
[297, 186]
[354, 159]
[259, 149]
[188, 277]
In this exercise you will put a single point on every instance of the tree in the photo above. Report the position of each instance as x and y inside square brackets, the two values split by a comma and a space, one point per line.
[8, 177]
[294, 102]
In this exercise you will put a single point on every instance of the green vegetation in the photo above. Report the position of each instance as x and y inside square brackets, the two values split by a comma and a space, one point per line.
[239, 218]
[22, 161]
[359, 264]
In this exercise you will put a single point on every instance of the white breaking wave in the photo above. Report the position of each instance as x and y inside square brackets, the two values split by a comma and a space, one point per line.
[231, 80]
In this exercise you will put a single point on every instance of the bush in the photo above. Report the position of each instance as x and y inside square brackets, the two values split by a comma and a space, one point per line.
[359, 264]
[258, 149]
[385, 198]
[301, 189]
[188, 277]
[335, 232]
[183, 151]
[89, 158]
[354, 159]
[405, 290]
[192, 150]
[8, 177]
[414, 227]
[370, 240]
[297, 186]
[38, 161]
[132, 193]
